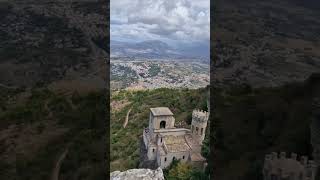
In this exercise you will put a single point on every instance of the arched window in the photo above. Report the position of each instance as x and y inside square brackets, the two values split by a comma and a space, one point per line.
[165, 159]
[174, 158]
[182, 157]
[197, 130]
[152, 150]
[161, 139]
[201, 131]
[162, 124]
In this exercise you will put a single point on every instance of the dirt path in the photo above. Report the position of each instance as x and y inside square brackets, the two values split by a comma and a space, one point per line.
[56, 170]
[127, 119]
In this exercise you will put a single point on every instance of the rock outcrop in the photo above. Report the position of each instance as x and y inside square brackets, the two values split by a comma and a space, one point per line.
[135, 174]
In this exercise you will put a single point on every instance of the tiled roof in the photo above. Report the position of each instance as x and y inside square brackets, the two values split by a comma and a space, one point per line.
[176, 143]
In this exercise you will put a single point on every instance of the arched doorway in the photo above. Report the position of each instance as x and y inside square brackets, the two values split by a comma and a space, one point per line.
[162, 124]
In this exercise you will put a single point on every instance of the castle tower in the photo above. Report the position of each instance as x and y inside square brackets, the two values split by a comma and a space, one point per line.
[199, 124]
[161, 118]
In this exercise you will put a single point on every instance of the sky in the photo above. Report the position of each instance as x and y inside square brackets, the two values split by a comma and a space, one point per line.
[175, 22]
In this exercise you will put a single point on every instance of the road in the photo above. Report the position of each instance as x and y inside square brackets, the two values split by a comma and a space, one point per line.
[127, 119]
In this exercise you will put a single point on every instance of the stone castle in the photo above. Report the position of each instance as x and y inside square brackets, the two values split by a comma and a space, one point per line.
[164, 142]
[280, 167]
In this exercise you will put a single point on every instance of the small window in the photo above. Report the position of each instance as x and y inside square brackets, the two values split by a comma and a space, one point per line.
[182, 157]
[162, 124]
[152, 150]
[197, 130]
[174, 158]
[201, 131]
[165, 159]
[161, 140]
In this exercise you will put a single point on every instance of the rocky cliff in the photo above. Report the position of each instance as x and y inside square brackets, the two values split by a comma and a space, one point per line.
[135, 174]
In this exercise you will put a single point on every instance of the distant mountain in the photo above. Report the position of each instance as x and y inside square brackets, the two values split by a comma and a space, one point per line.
[145, 49]
[151, 49]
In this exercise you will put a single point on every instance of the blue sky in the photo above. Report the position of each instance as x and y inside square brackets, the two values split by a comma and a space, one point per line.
[176, 22]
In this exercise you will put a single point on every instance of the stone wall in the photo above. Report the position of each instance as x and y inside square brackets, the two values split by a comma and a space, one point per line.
[144, 161]
[169, 158]
[173, 132]
[168, 119]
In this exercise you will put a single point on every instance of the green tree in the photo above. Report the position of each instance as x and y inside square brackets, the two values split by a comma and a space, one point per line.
[180, 171]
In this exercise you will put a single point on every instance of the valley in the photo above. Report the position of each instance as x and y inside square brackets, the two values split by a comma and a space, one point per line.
[152, 74]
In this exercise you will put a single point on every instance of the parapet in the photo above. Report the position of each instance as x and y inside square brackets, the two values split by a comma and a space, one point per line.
[280, 165]
[200, 115]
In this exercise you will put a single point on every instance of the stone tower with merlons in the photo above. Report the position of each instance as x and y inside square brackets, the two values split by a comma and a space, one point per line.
[199, 124]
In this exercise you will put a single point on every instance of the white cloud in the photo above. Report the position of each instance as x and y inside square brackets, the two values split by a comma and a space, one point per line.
[179, 21]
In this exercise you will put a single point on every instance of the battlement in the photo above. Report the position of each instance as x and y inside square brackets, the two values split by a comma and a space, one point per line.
[200, 115]
[303, 160]
[280, 165]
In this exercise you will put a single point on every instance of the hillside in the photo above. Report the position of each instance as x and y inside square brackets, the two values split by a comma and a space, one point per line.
[251, 122]
[52, 87]
[124, 142]
[56, 44]
[264, 43]
[35, 132]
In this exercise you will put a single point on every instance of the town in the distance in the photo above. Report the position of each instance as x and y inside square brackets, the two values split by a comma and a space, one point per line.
[160, 73]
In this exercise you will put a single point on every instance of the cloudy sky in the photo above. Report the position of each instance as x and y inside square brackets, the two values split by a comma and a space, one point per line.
[176, 22]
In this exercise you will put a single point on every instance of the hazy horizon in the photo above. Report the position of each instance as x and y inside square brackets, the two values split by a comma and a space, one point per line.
[182, 24]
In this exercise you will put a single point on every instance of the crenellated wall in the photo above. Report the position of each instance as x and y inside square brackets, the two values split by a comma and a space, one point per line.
[279, 166]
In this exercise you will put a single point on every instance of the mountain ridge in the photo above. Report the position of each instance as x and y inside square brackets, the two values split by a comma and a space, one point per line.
[153, 49]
